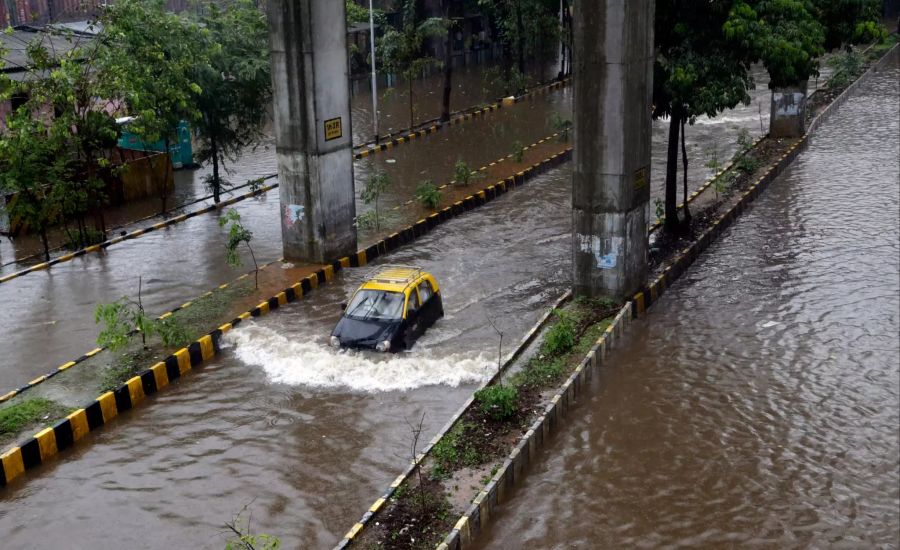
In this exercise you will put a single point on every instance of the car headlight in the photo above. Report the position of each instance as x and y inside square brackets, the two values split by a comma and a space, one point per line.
[383, 346]
[335, 342]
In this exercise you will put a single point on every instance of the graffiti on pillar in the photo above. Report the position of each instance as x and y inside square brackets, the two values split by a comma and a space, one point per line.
[605, 250]
[292, 213]
[787, 104]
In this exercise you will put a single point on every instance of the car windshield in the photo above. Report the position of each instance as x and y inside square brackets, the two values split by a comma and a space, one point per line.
[376, 305]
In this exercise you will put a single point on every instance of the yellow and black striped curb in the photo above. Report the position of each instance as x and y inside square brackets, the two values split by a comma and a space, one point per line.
[48, 443]
[69, 364]
[136, 233]
[434, 127]
[526, 340]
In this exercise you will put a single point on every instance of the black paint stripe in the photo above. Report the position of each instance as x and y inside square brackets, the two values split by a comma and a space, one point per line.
[65, 437]
[148, 381]
[196, 354]
[123, 398]
[216, 337]
[31, 454]
[320, 274]
[255, 312]
[94, 415]
[273, 303]
[290, 294]
[172, 368]
[305, 285]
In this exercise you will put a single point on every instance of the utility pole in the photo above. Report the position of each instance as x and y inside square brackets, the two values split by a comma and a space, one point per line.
[374, 72]
[613, 86]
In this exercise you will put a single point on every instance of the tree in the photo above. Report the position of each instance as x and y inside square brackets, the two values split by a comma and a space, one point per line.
[402, 51]
[150, 56]
[448, 59]
[125, 318]
[236, 85]
[238, 234]
[378, 183]
[698, 71]
[33, 167]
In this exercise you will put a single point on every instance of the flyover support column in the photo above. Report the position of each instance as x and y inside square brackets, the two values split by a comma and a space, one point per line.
[312, 128]
[613, 83]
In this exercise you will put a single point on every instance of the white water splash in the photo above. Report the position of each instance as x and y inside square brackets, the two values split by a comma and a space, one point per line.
[312, 364]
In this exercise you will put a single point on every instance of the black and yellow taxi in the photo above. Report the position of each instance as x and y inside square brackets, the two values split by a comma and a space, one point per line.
[390, 310]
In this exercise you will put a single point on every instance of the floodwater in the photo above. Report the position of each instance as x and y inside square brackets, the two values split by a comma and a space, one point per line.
[758, 404]
[53, 310]
[302, 434]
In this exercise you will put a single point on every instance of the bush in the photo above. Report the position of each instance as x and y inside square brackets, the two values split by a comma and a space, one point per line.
[498, 402]
[561, 336]
[747, 164]
[518, 151]
[428, 195]
[462, 173]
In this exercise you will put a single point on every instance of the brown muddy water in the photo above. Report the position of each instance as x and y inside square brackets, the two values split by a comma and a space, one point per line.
[758, 403]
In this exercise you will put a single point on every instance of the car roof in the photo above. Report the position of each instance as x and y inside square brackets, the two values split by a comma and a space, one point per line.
[394, 278]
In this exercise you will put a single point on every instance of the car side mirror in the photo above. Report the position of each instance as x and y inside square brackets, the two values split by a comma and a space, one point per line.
[344, 306]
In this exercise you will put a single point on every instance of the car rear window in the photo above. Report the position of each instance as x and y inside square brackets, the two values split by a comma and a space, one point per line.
[375, 305]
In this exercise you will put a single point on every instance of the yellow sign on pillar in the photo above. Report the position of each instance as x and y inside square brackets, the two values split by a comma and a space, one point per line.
[333, 129]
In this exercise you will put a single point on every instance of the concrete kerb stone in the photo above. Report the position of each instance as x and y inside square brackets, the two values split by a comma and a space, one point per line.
[434, 126]
[525, 451]
[26, 456]
[134, 234]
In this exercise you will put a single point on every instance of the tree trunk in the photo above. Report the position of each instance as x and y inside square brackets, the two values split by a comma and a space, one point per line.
[409, 79]
[216, 184]
[46, 243]
[671, 224]
[448, 67]
[520, 33]
[164, 189]
[684, 161]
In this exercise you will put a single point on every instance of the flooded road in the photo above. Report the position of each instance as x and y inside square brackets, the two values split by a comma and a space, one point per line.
[53, 310]
[758, 403]
[301, 433]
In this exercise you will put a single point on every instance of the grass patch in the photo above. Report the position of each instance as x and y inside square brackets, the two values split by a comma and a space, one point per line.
[126, 366]
[36, 411]
[455, 450]
[197, 319]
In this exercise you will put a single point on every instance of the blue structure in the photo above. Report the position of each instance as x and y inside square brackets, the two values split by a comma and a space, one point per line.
[180, 150]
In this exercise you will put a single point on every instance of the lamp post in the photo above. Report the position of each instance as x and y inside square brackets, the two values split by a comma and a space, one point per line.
[374, 81]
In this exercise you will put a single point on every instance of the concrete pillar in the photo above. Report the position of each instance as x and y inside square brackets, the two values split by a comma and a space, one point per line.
[613, 85]
[788, 111]
[312, 128]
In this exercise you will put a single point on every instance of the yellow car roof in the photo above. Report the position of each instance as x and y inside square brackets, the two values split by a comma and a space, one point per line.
[394, 278]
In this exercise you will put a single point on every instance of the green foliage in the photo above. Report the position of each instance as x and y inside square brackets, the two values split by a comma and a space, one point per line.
[453, 450]
[237, 234]
[561, 125]
[125, 318]
[463, 174]
[16, 417]
[660, 208]
[498, 401]
[744, 141]
[518, 151]
[528, 30]
[428, 195]
[234, 82]
[378, 183]
[561, 336]
[847, 65]
[509, 80]
[747, 164]
[243, 539]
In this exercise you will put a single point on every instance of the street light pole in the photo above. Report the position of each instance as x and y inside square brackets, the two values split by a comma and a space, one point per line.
[374, 81]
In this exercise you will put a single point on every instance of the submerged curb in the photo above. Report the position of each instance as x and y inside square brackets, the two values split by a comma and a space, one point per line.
[497, 491]
[434, 127]
[45, 445]
[138, 232]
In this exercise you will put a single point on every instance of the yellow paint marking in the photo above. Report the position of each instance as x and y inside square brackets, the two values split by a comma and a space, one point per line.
[282, 298]
[207, 350]
[313, 281]
[135, 390]
[8, 395]
[354, 531]
[244, 316]
[93, 248]
[184, 360]
[160, 375]
[345, 262]
[93, 352]
[13, 466]
[38, 380]
[401, 140]
[461, 524]
[79, 423]
[375, 507]
[298, 290]
[40, 267]
[329, 272]
[108, 406]
[226, 327]
[396, 483]
[263, 308]
[46, 439]
[186, 304]
[159, 225]
[66, 257]
[223, 287]
[165, 315]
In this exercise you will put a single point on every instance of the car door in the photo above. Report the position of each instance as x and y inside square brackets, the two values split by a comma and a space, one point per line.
[429, 309]
[413, 321]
